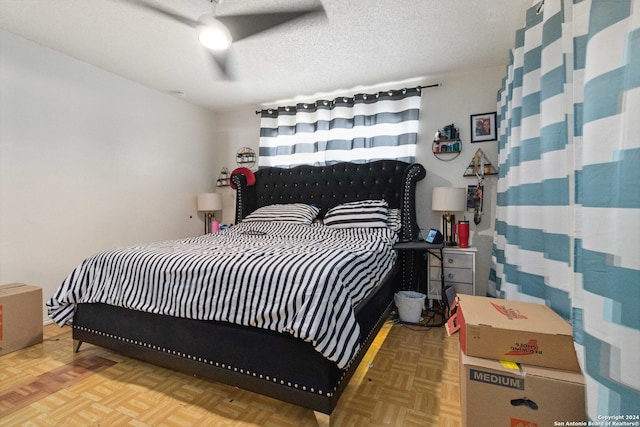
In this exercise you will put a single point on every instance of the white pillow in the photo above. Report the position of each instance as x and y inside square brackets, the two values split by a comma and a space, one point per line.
[361, 214]
[298, 213]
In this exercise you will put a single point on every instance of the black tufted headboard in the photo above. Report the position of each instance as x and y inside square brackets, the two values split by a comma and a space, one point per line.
[328, 186]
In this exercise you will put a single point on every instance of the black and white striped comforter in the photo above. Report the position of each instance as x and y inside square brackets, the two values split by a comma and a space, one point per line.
[300, 279]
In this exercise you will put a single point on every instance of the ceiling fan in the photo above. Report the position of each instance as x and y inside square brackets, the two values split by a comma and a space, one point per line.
[217, 33]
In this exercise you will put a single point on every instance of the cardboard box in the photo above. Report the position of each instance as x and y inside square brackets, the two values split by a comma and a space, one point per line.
[506, 394]
[20, 317]
[515, 331]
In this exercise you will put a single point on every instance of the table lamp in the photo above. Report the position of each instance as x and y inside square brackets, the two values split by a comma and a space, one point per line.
[449, 200]
[208, 203]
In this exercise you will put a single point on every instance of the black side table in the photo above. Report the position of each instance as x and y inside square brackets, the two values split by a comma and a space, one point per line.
[414, 267]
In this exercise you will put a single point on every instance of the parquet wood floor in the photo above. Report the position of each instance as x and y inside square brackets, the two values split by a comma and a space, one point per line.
[409, 377]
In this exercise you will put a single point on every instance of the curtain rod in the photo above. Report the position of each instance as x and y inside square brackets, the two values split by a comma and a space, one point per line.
[419, 87]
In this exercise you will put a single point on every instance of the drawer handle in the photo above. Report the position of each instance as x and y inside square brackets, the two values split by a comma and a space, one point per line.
[450, 276]
[450, 260]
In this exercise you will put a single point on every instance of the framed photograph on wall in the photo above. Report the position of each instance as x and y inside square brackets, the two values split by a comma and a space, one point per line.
[483, 127]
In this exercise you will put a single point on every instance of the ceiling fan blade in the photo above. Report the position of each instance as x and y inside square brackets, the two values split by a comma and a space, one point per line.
[166, 12]
[220, 59]
[243, 26]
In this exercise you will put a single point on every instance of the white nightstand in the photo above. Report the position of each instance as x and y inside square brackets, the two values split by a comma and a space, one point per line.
[459, 271]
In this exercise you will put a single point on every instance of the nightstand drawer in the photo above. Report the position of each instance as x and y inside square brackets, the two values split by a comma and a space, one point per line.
[455, 260]
[458, 275]
[461, 288]
[459, 268]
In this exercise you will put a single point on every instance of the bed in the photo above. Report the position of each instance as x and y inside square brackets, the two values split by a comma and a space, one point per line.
[304, 350]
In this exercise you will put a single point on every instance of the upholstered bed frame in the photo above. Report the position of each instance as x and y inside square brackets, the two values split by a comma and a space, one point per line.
[273, 364]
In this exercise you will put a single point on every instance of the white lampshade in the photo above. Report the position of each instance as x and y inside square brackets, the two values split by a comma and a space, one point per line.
[449, 199]
[209, 202]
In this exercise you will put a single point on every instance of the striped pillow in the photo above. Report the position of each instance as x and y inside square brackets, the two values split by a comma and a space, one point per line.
[361, 214]
[394, 220]
[298, 213]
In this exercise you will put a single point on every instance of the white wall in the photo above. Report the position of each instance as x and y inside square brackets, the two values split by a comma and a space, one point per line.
[236, 129]
[89, 161]
[460, 96]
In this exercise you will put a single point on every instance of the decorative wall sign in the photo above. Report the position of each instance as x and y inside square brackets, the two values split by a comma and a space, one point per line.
[475, 199]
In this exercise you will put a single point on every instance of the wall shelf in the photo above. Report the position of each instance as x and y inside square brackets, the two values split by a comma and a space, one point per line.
[246, 157]
[223, 178]
[480, 165]
[446, 149]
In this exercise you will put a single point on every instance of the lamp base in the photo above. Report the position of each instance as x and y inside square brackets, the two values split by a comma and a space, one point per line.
[448, 221]
[207, 222]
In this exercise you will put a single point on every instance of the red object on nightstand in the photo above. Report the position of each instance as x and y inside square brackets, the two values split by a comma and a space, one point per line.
[462, 230]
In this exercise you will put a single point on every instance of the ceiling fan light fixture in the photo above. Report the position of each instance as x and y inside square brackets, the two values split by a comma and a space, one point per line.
[213, 34]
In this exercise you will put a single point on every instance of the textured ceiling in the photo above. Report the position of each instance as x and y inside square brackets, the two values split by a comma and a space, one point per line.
[359, 43]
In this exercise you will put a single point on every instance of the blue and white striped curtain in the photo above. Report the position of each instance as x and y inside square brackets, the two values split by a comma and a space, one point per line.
[568, 215]
[358, 129]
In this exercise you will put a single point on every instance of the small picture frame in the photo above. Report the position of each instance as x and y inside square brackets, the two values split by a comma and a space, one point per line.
[483, 127]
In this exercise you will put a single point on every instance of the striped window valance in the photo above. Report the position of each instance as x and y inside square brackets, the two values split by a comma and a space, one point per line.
[361, 128]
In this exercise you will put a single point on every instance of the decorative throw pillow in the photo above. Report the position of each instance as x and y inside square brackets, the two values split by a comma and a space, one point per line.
[361, 214]
[298, 213]
[393, 220]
